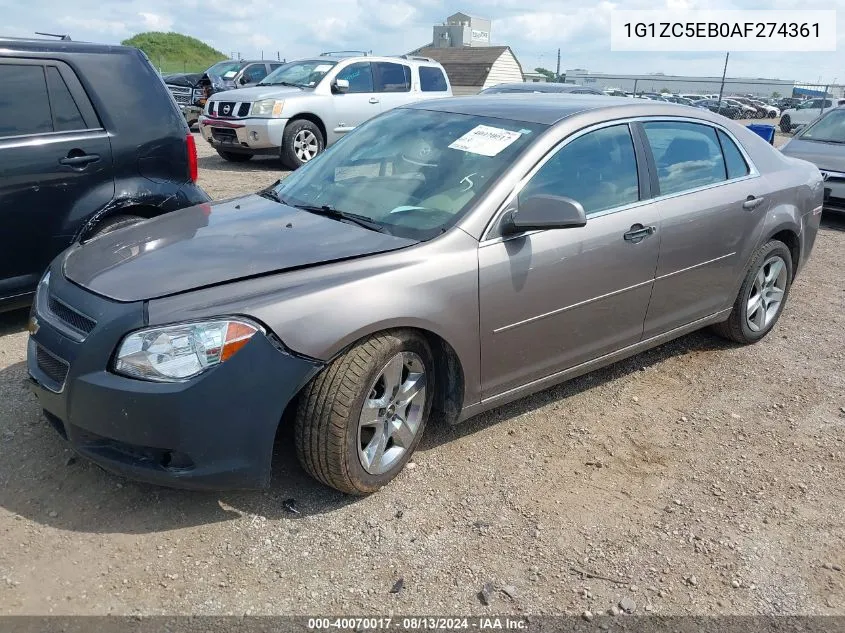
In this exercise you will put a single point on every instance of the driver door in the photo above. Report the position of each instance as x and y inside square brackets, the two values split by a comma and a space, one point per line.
[359, 103]
[553, 299]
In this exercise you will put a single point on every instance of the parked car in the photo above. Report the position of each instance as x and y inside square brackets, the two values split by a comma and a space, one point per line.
[680, 100]
[234, 74]
[771, 112]
[541, 87]
[446, 258]
[789, 102]
[187, 89]
[745, 111]
[616, 93]
[692, 97]
[823, 144]
[306, 105]
[90, 140]
[723, 108]
[756, 110]
[806, 113]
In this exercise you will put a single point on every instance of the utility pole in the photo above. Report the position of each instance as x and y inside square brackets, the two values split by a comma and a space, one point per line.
[722, 87]
[557, 72]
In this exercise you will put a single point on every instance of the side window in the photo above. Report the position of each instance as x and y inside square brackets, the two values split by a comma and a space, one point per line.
[359, 76]
[687, 155]
[24, 106]
[432, 79]
[599, 170]
[275, 66]
[255, 73]
[66, 113]
[734, 162]
[392, 77]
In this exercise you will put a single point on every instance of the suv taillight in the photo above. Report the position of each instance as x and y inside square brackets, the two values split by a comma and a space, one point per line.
[191, 146]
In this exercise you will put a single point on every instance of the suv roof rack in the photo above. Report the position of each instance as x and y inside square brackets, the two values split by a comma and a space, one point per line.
[65, 37]
[346, 54]
[418, 58]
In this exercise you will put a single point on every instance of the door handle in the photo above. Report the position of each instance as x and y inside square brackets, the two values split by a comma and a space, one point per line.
[373, 100]
[751, 202]
[79, 161]
[638, 233]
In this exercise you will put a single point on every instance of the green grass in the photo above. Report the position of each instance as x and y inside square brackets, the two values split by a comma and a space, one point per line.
[174, 52]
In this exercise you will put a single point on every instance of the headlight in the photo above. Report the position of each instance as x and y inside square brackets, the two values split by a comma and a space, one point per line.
[268, 107]
[181, 351]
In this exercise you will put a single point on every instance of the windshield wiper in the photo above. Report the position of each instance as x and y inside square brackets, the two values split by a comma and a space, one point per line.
[271, 194]
[330, 212]
[279, 83]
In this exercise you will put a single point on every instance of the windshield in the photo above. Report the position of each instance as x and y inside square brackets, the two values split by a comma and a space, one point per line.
[830, 128]
[414, 172]
[305, 74]
[226, 70]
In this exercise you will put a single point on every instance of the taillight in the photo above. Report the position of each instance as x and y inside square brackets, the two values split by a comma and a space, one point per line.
[193, 168]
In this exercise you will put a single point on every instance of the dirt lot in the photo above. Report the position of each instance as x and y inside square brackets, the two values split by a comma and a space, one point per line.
[698, 478]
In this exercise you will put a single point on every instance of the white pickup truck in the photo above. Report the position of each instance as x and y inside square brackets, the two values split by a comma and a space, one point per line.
[806, 112]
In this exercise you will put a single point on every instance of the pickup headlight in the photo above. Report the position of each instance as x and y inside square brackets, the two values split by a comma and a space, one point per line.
[181, 351]
[268, 108]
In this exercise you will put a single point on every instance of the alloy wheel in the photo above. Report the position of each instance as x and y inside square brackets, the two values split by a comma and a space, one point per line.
[392, 413]
[305, 145]
[767, 294]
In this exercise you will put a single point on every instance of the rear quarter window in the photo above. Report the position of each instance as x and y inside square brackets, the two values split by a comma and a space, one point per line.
[432, 79]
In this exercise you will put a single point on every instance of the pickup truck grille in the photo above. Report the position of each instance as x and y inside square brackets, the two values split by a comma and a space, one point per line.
[182, 94]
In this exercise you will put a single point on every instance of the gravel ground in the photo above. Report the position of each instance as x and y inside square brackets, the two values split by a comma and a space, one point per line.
[697, 478]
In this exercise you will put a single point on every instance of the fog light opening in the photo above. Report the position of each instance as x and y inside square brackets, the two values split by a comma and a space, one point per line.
[253, 135]
[174, 460]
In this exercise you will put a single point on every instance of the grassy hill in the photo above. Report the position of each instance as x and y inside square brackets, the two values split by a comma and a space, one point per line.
[174, 52]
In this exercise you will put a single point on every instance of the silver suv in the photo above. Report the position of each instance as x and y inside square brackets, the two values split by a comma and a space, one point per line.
[306, 105]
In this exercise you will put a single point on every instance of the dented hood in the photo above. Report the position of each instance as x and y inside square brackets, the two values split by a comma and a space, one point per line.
[217, 243]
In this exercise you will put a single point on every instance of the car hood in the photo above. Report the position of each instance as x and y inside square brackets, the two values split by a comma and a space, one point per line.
[258, 92]
[211, 244]
[830, 156]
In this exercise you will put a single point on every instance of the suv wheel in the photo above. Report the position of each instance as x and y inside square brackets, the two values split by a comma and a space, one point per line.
[234, 157]
[301, 142]
[785, 124]
[113, 223]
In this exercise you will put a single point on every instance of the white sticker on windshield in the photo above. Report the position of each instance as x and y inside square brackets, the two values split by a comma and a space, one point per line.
[322, 68]
[485, 140]
[230, 74]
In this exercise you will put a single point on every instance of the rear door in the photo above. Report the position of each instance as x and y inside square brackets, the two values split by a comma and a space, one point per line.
[712, 207]
[393, 83]
[55, 167]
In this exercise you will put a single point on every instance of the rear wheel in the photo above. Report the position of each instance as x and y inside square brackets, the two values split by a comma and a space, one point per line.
[115, 222]
[762, 295]
[361, 418]
[785, 124]
[234, 157]
[301, 142]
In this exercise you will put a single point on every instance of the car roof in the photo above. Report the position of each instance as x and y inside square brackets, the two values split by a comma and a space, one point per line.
[548, 108]
[541, 86]
[11, 44]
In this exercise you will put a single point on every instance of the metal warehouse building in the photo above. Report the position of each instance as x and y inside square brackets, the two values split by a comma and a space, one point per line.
[659, 82]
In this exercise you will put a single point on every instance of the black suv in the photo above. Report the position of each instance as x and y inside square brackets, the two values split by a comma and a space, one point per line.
[90, 140]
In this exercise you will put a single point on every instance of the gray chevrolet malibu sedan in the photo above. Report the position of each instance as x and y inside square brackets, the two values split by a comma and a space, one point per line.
[441, 260]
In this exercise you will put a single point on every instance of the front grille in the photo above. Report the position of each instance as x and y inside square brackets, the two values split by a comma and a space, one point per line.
[181, 94]
[243, 110]
[223, 134]
[53, 367]
[70, 317]
[226, 108]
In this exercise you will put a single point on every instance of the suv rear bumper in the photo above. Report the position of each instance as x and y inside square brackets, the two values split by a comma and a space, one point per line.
[251, 136]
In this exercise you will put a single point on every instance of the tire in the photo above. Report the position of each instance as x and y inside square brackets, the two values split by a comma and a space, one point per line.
[234, 157]
[113, 223]
[330, 439]
[301, 142]
[761, 115]
[785, 124]
[737, 327]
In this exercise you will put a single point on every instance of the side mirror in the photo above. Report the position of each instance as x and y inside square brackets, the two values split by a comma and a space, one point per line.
[340, 85]
[244, 80]
[540, 212]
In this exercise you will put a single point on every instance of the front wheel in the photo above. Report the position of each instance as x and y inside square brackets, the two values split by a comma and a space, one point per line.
[361, 418]
[762, 295]
[301, 142]
[785, 124]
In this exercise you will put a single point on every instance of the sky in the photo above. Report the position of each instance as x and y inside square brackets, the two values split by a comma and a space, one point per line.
[534, 29]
